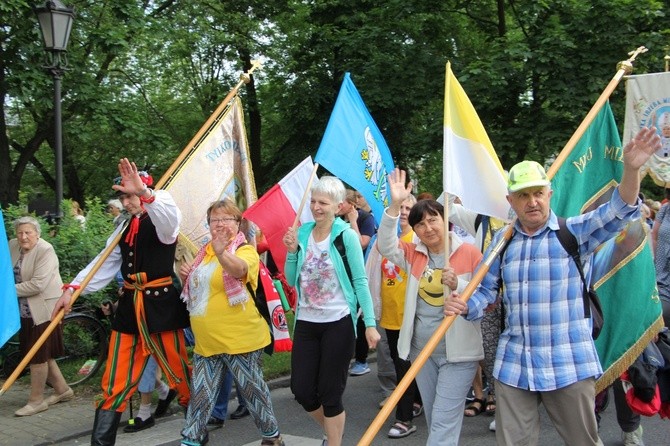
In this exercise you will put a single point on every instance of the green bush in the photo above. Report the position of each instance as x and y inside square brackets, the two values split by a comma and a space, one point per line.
[75, 244]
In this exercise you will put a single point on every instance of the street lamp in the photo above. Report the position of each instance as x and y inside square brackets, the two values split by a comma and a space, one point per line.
[55, 23]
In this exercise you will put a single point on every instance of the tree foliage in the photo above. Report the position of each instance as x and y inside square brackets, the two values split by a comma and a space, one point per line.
[145, 75]
[75, 244]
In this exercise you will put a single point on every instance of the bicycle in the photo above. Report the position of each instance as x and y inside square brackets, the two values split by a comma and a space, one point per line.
[10, 357]
[85, 341]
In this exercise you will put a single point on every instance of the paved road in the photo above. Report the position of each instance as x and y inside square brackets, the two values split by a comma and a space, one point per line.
[361, 401]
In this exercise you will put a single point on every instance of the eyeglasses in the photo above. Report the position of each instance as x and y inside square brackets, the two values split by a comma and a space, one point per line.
[226, 220]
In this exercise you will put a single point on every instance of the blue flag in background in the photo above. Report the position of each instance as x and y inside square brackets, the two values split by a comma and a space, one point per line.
[354, 150]
[9, 316]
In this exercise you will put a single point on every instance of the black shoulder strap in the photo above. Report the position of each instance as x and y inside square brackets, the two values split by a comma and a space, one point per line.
[259, 299]
[569, 243]
[478, 221]
[500, 256]
[339, 245]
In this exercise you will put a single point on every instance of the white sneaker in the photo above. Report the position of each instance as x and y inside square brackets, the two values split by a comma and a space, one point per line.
[633, 438]
[492, 426]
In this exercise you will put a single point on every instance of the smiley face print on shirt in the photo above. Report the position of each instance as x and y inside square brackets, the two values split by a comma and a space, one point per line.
[431, 289]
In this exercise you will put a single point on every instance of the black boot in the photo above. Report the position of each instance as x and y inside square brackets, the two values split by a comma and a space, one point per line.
[104, 427]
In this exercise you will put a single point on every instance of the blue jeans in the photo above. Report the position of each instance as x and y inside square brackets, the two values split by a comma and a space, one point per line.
[148, 380]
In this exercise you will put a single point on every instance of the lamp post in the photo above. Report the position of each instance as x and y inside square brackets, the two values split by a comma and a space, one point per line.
[55, 23]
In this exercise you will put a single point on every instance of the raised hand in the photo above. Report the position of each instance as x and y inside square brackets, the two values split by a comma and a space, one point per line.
[130, 178]
[641, 147]
[222, 239]
[399, 192]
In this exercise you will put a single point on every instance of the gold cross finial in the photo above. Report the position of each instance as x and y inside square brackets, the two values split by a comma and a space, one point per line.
[246, 77]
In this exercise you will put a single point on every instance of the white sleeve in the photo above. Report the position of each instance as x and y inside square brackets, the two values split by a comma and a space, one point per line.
[106, 273]
[165, 215]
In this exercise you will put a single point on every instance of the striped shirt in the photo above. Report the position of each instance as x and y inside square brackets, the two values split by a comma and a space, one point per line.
[547, 342]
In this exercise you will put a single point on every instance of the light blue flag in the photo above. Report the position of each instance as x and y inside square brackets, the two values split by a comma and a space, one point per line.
[9, 316]
[354, 150]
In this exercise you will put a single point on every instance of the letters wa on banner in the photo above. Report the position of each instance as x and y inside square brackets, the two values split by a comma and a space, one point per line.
[218, 168]
[471, 168]
[622, 269]
[275, 211]
[648, 105]
[9, 316]
[354, 150]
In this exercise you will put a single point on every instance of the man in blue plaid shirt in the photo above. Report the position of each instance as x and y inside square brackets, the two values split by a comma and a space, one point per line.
[546, 353]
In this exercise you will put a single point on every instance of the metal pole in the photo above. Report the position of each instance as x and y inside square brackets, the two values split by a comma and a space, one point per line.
[58, 143]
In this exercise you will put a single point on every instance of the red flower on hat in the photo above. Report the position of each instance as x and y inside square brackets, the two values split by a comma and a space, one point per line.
[144, 176]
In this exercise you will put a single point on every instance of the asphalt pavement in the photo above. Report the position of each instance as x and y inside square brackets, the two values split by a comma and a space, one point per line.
[70, 423]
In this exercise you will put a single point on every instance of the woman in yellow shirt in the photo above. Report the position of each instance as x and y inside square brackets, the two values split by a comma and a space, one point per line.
[229, 331]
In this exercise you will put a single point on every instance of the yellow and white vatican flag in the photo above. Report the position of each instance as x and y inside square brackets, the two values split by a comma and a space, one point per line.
[648, 105]
[472, 170]
[219, 167]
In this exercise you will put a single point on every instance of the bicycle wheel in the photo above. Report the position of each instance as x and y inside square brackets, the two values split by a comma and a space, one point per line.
[85, 345]
[9, 363]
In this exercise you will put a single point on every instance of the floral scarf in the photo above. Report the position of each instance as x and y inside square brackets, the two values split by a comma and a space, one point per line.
[235, 291]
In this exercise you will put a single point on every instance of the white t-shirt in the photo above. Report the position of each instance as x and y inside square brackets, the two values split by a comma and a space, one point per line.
[321, 297]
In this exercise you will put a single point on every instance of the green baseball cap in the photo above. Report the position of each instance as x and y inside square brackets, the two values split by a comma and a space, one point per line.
[526, 174]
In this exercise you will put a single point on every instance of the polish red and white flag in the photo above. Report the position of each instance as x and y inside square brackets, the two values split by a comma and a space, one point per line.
[276, 210]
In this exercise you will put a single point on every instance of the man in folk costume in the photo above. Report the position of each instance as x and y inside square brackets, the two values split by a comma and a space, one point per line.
[150, 316]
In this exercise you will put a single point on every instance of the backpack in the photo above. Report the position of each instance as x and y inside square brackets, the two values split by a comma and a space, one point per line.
[339, 245]
[259, 298]
[592, 307]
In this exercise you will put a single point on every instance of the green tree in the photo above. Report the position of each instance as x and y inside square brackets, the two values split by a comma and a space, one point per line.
[145, 75]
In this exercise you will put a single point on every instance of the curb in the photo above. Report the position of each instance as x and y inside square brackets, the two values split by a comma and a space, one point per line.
[273, 384]
[277, 383]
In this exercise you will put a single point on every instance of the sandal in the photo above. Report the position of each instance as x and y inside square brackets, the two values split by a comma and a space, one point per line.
[417, 410]
[490, 405]
[475, 407]
[401, 429]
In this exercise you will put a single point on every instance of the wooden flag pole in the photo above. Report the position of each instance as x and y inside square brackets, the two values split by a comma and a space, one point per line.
[244, 78]
[59, 317]
[304, 196]
[624, 67]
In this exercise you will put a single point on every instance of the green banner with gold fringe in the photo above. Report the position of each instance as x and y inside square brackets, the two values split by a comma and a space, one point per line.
[622, 269]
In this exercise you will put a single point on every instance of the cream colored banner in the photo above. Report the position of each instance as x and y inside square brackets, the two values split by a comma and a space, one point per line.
[218, 168]
[647, 105]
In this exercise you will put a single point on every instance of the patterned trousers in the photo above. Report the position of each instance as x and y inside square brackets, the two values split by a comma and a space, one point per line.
[208, 374]
[491, 323]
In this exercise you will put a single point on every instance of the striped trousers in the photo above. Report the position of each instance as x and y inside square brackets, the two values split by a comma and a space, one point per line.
[126, 362]
[208, 374]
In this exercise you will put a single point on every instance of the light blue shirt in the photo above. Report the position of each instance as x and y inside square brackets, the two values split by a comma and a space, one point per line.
[547, 342]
